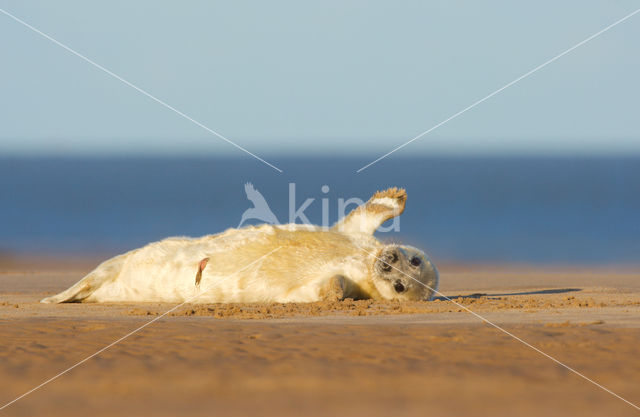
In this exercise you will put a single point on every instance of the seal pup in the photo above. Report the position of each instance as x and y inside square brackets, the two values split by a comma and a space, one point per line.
[269, 263]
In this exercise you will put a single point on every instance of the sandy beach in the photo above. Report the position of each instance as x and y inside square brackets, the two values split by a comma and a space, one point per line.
[356, 358]
[295, 151]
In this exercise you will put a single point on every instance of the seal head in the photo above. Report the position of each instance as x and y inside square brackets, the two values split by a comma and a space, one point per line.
[404, 273]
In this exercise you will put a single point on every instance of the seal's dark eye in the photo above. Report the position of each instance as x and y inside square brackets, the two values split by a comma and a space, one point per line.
[398, 286]
[415, 261]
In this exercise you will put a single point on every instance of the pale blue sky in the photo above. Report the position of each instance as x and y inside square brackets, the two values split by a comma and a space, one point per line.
[298, 77]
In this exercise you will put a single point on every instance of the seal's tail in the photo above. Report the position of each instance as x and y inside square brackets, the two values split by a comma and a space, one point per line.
[105, 272]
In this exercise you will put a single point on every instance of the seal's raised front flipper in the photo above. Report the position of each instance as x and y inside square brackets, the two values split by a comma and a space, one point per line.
[384, 205]
[105, 272]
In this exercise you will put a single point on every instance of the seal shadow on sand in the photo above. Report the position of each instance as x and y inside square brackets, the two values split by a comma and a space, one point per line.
[479, 295]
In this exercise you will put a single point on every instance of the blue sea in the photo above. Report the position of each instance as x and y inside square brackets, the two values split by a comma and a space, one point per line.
[502, 209]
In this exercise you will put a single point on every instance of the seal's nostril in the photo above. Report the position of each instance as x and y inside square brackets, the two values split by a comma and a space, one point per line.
[394, 257]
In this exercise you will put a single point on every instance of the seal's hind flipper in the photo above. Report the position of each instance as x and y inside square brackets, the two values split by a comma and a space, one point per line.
[75, 294]
[382, 206]
[105, 272]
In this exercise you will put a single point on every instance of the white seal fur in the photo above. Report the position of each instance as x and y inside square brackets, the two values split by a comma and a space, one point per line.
[303, 264]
